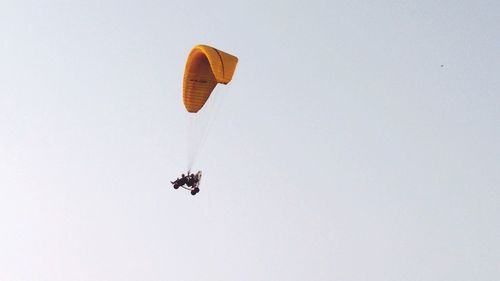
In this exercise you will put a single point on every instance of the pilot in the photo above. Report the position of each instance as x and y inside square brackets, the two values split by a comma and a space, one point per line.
[192, 180]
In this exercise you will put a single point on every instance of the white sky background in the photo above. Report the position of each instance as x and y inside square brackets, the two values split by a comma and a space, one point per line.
[342, 151]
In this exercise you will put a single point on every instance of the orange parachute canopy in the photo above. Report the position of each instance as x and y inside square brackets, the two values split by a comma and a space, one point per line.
[205, 67]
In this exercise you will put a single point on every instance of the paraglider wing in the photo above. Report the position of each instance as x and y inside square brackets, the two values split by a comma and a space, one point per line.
[205, 67]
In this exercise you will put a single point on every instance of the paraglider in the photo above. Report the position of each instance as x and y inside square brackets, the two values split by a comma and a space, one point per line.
[206, 67]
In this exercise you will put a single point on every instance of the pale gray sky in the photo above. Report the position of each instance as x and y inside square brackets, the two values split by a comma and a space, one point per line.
[342, 151]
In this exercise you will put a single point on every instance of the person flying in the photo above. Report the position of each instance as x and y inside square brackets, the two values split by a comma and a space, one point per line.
[189, 182]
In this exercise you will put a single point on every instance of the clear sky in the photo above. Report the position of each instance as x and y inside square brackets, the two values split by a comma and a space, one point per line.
[342, 149]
